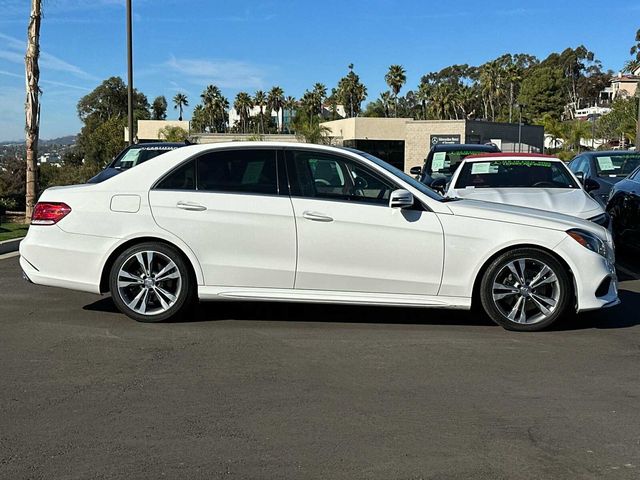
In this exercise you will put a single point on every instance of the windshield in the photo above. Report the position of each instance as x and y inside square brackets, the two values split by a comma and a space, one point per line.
[617, 165]
[137, 155]
[515, 174]
[444, 164]
[400, 174]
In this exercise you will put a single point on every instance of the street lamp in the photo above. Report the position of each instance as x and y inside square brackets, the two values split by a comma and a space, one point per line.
[520, 107]
[129, 74]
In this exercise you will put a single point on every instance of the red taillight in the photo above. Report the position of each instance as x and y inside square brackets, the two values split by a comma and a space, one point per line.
[48, 213]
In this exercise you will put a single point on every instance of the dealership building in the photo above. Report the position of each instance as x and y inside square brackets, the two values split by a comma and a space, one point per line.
[405, 142]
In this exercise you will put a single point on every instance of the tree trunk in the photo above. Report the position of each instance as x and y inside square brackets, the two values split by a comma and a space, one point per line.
[510, 102]
[32, 105]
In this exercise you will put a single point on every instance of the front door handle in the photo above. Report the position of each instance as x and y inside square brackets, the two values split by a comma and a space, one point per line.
[317, 217]
[195, 207]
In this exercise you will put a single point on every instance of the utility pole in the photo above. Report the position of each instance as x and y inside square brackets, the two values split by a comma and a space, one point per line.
[520, 129]
[129, 74]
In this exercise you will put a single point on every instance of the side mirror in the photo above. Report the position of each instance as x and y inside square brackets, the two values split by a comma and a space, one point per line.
[590, 184]
[401, 199]
[416, 170]
[439, 184]
[580, 176]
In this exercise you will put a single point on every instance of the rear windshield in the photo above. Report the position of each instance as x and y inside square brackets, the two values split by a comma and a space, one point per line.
[136, 156]
[617, 165]
[444, 164]
[515, 174]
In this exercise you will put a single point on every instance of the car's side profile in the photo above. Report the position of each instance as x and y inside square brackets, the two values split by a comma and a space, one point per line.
[308, 223]
[525, 179]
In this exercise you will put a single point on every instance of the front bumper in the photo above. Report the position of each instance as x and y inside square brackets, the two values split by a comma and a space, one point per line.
[590, 270]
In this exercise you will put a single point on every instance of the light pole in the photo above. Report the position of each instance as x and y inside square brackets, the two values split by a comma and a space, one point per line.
[520, 128]
[129, 74]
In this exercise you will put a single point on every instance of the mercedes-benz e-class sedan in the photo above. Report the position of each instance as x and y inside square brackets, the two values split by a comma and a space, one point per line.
[308, 223]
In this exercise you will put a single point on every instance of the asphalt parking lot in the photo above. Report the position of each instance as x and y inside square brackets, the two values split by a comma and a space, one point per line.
[249, 390]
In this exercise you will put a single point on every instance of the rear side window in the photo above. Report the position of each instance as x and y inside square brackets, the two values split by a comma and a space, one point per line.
[247, 171]
[182, 178]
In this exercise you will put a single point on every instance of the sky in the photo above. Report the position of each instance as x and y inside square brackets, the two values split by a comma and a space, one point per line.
[184, 45]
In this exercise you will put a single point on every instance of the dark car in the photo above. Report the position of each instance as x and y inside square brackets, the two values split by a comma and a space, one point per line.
[624, 209]
[134, 155]
[602, 170]
[443, 159]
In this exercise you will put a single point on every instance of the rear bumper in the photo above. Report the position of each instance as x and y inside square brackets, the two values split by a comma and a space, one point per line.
[49, 256]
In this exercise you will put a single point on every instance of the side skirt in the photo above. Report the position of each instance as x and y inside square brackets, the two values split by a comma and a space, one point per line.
[207, 293]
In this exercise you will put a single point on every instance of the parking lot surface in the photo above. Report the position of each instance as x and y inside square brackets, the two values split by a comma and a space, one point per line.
[251, 390]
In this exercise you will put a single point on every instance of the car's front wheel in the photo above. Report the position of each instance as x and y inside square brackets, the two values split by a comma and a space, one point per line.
[526, 290]
[151, 282]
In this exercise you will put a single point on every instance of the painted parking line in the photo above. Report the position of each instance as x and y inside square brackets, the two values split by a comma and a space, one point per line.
[9, 255]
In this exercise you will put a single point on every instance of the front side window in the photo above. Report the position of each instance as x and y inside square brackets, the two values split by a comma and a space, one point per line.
[246, 171]
[515, 174]
[331, 177]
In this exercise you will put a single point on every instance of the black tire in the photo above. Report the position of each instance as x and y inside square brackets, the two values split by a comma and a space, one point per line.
[558, 290]
[159, 299]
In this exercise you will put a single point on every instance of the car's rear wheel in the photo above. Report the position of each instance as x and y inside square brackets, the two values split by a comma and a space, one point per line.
[526, 290]
[151, 282]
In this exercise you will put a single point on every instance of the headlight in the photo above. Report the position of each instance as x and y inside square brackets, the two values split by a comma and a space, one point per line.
[602, 219]
[589, 240]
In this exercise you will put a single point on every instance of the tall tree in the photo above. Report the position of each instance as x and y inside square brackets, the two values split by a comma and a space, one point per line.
[633, 67]
[32, 105]
[159, 108]
[396, 77]
[351, 93]
[242, 105]
[275, 100]
[260, 100]
[180, 101]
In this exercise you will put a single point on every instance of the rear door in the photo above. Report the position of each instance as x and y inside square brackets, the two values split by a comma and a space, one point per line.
[232, 210]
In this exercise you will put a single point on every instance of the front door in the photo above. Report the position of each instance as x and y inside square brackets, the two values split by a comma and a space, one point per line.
[349, 239]
[226, 206]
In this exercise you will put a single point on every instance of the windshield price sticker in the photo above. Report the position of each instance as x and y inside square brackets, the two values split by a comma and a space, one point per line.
[605, 163]
[479, 168]
[438, 162]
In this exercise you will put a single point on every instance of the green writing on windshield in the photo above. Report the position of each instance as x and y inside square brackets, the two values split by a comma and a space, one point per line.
[523, 163]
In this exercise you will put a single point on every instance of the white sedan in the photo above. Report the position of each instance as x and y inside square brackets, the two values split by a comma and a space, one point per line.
[307, 223]
[527, 180]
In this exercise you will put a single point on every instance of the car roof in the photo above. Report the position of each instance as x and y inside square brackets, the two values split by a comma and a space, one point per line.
[454, 147]
[158, 144]
[508, 156]
[611, 153]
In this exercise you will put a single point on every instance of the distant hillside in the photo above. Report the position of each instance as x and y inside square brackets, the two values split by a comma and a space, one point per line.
[68, 140]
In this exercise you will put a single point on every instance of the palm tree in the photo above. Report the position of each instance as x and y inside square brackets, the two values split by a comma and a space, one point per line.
[513, 75]
[260, 100]
[179, 101]
[396, 77]
[210, 97]
[275, 100]
[632, 66]
[385, 99]
[32, 105]
[319, 94]
[289, 104]
[424, 95]
[242, 105]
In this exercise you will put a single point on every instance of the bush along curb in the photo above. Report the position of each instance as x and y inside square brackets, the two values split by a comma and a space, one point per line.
[9, 246]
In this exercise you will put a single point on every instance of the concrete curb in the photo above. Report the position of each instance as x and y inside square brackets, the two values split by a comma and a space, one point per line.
[9, 246]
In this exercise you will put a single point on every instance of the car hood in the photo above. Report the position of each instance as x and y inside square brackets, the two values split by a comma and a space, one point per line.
[569, 201]
[524, 216]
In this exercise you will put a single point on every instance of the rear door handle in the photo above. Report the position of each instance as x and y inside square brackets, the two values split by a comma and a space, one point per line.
[317, 217]
[196, 207]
